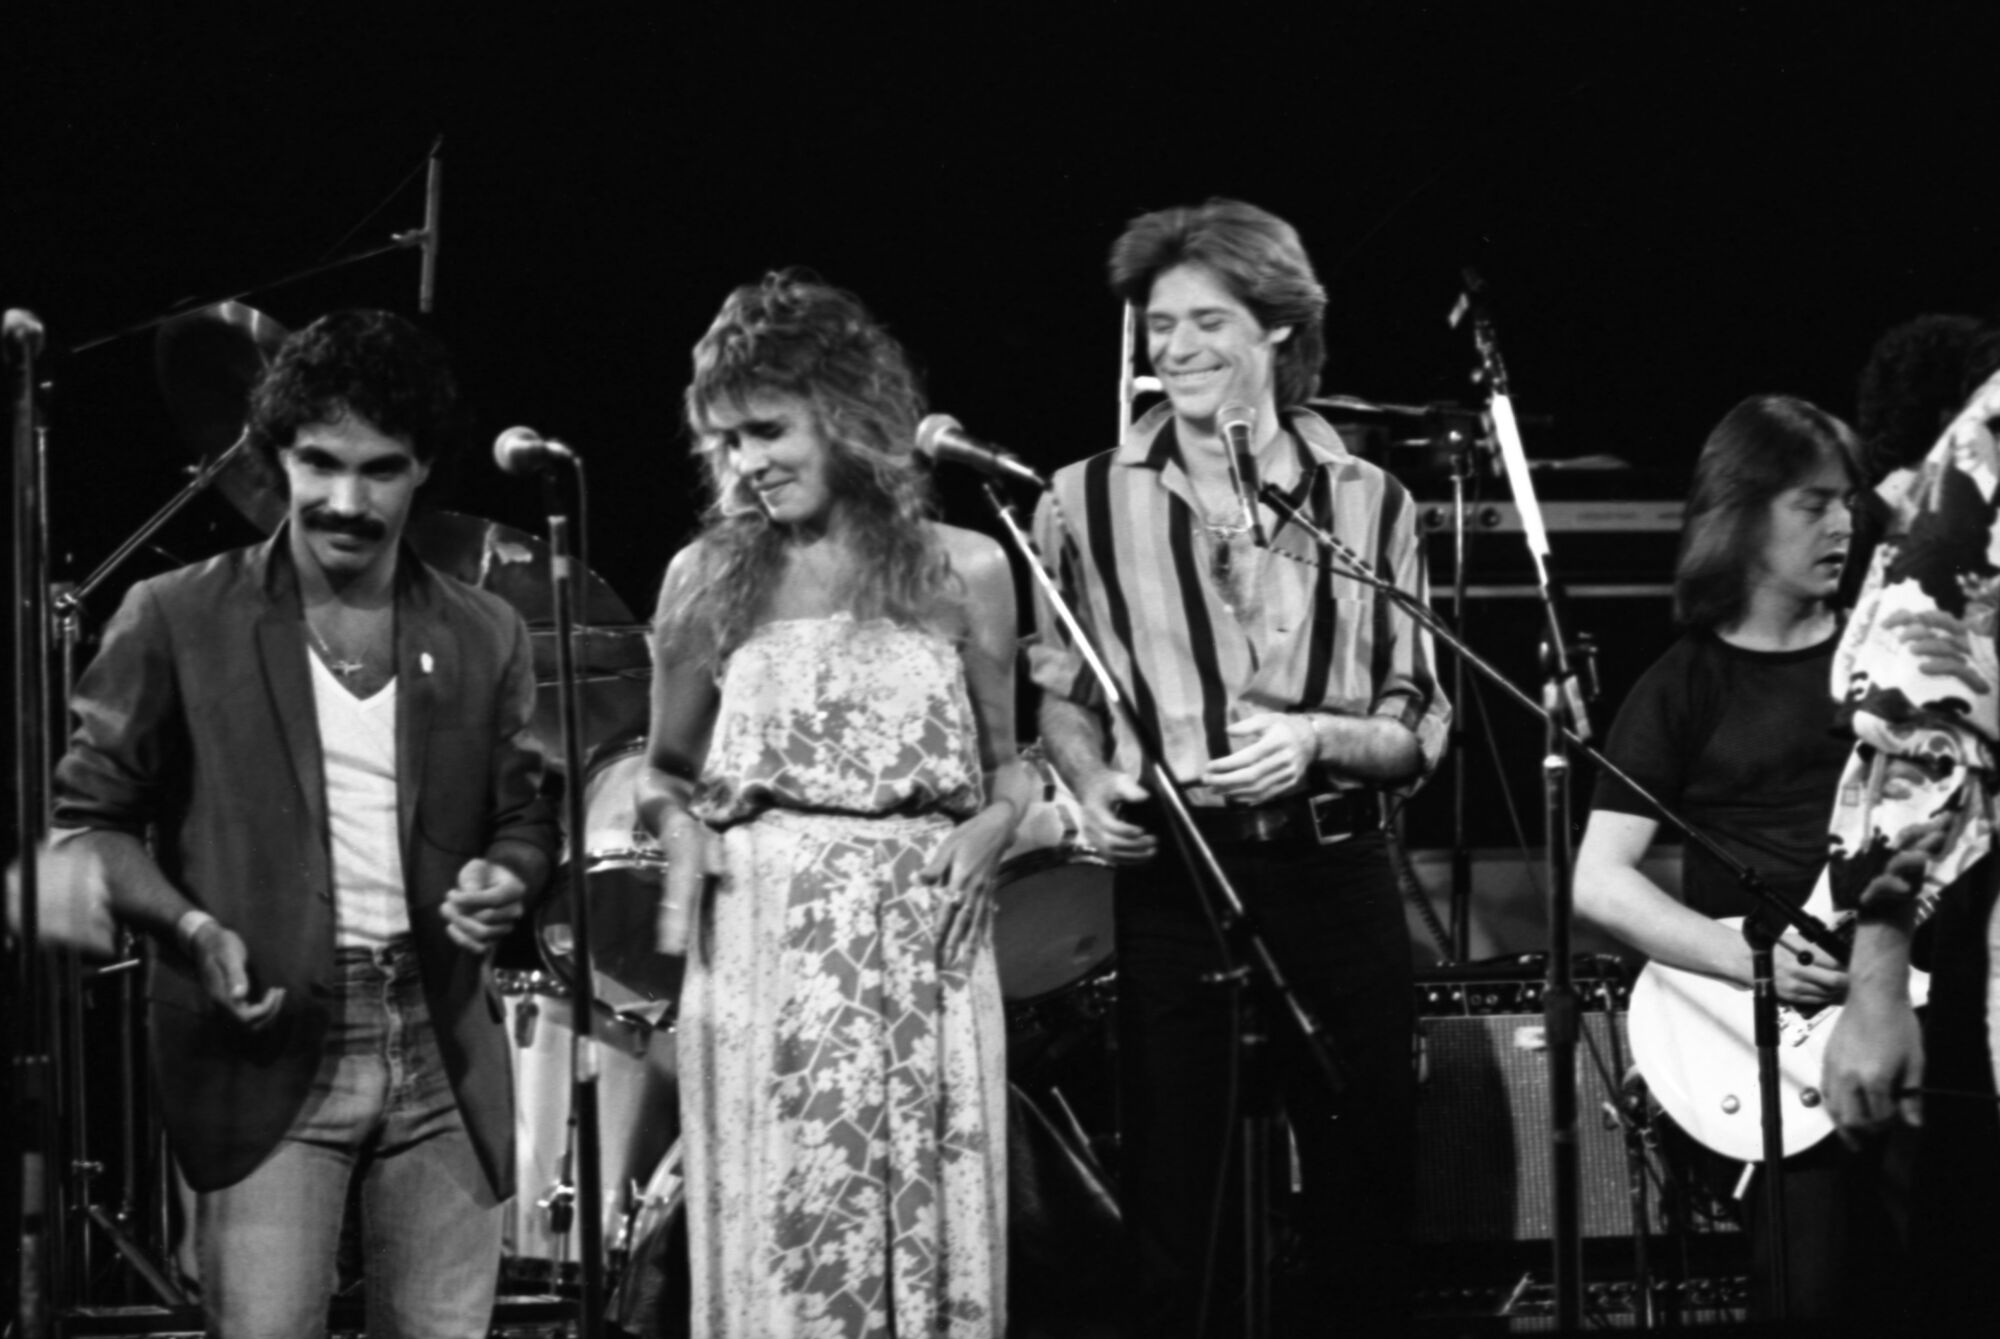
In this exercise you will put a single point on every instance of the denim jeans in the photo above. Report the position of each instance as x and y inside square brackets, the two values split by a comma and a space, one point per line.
[380, 1106]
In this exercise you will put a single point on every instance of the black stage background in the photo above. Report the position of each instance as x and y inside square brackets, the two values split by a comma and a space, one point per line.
[1675, 205]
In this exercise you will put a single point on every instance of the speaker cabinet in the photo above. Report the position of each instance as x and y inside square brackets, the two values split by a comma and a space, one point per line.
[1484, 1153]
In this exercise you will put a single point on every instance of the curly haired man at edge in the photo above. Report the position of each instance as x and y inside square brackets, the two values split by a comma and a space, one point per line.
[329, 744]
[1287, 700]
[833, 736]
[1913, 841]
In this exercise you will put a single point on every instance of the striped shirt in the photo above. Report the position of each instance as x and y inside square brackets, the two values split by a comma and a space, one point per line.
[1122, 535]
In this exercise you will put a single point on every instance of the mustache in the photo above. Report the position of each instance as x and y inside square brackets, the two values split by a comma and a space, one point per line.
[332, 523]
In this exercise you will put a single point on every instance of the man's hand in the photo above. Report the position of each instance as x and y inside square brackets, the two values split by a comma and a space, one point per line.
[1275, 749]
[1875, 1058]
[1118, 841]
[1803, 975]
[225, 970]
[484, 905]
[1874, 1064]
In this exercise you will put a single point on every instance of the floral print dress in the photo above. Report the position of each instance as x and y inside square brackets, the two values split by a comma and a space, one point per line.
[843, 1095]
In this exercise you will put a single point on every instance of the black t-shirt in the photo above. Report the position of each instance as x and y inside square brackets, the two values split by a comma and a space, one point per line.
[1742, 744]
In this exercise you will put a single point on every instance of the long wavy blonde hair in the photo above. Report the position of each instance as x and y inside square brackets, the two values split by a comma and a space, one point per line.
[796, 335]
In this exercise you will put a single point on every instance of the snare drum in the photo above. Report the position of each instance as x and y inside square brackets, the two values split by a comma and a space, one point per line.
[624, 876]
[1053, 895]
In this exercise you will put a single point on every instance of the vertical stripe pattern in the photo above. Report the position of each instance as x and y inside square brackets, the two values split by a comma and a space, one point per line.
[1119, 531]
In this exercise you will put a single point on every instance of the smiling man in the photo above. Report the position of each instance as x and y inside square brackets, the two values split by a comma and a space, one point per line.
[307, 771]
[1285, 700]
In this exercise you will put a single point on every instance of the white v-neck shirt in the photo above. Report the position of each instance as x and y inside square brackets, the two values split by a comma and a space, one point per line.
[358, 745]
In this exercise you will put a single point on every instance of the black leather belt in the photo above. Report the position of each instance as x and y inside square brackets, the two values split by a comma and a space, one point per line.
[1316, 820]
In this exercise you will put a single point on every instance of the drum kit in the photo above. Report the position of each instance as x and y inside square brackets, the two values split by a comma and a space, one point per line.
[1052, 934]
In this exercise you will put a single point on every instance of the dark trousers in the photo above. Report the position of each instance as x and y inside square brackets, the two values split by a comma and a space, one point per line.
[1846, 1245]
[1332, 918]
[1955, 1237]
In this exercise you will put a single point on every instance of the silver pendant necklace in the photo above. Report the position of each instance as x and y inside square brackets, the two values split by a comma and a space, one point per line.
[344, 668]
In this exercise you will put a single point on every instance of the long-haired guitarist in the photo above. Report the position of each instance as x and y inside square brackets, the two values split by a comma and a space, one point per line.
[1733, 728]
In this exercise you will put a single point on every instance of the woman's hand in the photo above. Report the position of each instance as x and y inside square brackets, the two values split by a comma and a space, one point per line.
[964, 867]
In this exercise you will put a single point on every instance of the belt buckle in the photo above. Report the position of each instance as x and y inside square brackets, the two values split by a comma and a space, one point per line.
[1330, 817]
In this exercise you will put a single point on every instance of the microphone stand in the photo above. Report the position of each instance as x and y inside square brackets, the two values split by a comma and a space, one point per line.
[1250, 972]
[1566, 1238]
[565, 580]
[1461, 853]
[31, 1111]
[1564, 702]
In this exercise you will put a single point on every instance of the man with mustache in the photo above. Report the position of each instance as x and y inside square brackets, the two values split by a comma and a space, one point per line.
[1287, 702]
[305, 769]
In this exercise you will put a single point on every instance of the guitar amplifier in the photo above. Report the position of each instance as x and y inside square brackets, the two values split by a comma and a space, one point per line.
[1484, 1159]
[1615, 558]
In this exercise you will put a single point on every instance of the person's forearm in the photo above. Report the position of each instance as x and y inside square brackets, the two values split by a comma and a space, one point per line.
[1638, 912]
[1074, 739]
[1879, 966]
[1375, 749]
[664, 797]
[141, 894]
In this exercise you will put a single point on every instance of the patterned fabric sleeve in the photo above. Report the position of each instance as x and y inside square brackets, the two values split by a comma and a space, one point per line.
[1917, 671]
[1409, 690]
[1054, 663]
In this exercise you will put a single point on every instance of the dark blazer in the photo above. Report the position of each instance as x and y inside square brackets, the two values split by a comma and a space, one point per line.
[195, 723]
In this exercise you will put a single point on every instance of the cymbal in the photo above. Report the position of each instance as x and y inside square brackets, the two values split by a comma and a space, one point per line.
[1354, 407]
[206, 361]
[613, 650]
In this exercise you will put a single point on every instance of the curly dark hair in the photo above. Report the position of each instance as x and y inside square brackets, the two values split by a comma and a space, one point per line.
[1912, 384]
[1256, 255]
[794, 334]
[1765, 445]
[373, 365]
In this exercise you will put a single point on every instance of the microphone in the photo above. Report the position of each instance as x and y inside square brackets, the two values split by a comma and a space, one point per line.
[939, 437]
[433, 196]
[525, 451]
[21, 328]
[1239, 427]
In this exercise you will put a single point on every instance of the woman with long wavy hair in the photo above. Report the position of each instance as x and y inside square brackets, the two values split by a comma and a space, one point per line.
[831, 769]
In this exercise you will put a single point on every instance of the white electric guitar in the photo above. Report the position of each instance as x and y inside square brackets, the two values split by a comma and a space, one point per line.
[1693, 1040]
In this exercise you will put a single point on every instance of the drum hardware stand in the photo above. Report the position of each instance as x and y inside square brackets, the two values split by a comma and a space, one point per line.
[424, 239]
[31, 1062]
[1251, 969]
[587, 1194]
[1562, 1013]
